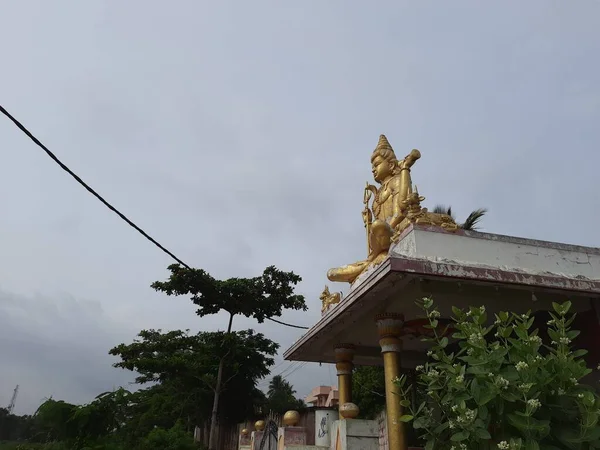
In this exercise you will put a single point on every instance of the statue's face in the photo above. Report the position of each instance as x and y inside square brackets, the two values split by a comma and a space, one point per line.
[381, 169]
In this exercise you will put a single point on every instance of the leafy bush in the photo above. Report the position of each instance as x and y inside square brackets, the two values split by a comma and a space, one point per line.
[504, 388]
[175, 438]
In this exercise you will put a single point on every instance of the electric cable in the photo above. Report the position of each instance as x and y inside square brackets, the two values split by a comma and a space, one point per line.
[107, 204]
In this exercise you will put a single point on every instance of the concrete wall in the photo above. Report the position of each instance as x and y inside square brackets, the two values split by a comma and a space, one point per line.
[500, 252]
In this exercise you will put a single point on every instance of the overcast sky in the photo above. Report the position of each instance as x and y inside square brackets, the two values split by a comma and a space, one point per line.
[239, 135]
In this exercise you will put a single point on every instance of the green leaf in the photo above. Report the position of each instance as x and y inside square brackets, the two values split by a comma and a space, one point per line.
[419, 423]
[460, 436]
[557, 308]
[430, 445]
[405, 418]
[572, 334]
[482, 318]
[444, 342]
[482, 433]
[483, 413]
[531, 445]
[441, 427]
[476, 391]
[405, 403]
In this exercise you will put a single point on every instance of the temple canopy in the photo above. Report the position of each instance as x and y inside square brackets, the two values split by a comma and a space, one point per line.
[458, 268]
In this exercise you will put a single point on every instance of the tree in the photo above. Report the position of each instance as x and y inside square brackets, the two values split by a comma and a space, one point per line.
[259, 297]
[471, 221]
[368, 390]
[52, 421]
[281, 396]
[187, 366]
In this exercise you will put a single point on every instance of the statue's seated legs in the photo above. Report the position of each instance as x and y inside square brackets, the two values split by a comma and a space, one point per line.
[380, 237]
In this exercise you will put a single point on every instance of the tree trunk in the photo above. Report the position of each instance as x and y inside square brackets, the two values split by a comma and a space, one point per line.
[212, 435]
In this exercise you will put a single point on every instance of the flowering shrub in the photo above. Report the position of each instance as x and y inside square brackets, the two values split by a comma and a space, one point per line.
[503, 387]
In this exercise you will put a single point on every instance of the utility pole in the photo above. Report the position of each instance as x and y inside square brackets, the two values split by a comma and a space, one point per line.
[11, 406]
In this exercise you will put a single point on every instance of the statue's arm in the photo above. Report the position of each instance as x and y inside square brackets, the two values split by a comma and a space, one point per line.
[397, 211]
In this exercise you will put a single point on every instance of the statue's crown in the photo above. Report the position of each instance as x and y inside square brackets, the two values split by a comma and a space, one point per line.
[383, 144]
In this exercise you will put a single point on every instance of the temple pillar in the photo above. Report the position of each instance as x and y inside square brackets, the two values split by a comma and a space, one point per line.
[344, 354]
[389, 326]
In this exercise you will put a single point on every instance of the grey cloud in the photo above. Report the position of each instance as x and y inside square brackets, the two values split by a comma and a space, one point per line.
[56, 347]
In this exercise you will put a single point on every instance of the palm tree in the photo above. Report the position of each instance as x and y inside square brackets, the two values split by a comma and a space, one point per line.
[279, 385]
[472, 219]
[281, 396]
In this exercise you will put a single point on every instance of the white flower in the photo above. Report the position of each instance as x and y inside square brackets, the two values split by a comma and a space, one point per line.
[521, 365]
[534, 403]
[475, 337]
[550, 322]
[538, 358]
[535, 340]
[429, 353]
[420, 368]
[434, 314]
[460, 379]
[579, 395]
[561, 391]
[503, 445]
[565, 340]
[525, 386]
[524, 316]
[553, 343]
[468, 313]
[573, 380]
[502, 382]
[482, 309]
[451, 424]
[454, 408]
[433, 373]
[470, 351]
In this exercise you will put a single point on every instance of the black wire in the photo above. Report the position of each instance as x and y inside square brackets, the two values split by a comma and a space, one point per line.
[287, 324]
[108, 205]
[89, 189]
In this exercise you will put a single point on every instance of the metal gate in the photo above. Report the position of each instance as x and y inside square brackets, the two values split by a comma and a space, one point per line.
[269, 439]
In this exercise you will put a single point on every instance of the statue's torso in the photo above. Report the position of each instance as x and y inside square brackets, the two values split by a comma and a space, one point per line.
[384, 202]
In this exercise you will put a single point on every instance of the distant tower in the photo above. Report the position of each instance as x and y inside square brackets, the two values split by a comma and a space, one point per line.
[13, 400]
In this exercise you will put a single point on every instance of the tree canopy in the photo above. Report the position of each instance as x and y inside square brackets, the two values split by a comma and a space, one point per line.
[189, 362]
[259, 297]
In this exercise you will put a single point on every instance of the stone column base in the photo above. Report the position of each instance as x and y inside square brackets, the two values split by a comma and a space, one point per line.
[255, 439]
[290, 437]
[355, 435]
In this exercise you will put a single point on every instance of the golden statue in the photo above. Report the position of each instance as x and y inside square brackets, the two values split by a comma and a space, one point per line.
[328, 299]
[393, 203]
[414, 213]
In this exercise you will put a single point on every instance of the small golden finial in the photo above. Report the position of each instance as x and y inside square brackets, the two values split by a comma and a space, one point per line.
[328, 299]
[291, 418]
